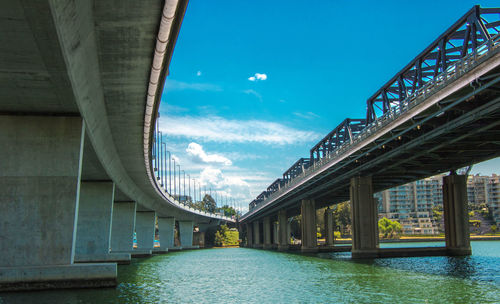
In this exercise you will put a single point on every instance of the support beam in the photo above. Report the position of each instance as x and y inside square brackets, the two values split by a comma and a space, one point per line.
[283, 231]
[329, 239]
[364, 218]
[256, 235]
[308, 226]
[145, 232]
[93, 237]
[40, 171]
[267, 233]
[456, 215]
[186, 234]
[166, 228]
[122, 230]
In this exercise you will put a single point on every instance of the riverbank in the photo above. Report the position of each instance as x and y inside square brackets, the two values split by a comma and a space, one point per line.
[409, 239]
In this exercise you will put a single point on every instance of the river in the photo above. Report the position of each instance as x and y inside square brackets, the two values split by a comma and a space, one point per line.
[240, 275]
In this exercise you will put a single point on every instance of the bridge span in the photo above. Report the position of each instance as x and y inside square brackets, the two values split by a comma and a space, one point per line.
[80, 87]
[441, 112]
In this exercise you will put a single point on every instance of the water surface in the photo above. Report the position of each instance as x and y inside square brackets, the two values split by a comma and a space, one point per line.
[239, 275]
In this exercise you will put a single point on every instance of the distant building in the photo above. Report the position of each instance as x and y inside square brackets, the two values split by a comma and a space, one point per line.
[411, 204]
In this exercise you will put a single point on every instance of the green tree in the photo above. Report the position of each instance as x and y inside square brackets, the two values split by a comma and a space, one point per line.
[228, 211]
[342, 215]
[388, 228]
[208, 204]
[493, 228]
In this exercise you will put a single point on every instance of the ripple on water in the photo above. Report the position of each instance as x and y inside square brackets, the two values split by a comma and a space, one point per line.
[239, 275]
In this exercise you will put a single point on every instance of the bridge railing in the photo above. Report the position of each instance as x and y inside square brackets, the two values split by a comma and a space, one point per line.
[174, 190]
[450, 74]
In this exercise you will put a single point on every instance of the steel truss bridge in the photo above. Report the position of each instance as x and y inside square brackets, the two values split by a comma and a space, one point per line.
[441, 112]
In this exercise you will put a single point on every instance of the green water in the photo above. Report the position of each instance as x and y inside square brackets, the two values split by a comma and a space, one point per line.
[239, 275]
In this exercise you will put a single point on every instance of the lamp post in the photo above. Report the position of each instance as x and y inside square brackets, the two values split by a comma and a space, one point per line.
[179, 180]
[169, 172]
[174, 177]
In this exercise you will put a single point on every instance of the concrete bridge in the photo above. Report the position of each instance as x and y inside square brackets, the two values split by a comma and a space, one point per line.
[441, 112]
[80, 87]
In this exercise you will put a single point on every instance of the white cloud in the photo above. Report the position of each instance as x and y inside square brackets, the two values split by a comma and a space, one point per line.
[307, 115]
[254, 93]
[198, 73]
[225, 186]
[174, 85]
[258, 76]
[198, 155]
[218, 129]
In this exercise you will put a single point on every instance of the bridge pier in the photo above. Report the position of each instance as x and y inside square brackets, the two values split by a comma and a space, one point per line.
[249, 235]
[283, 231]
[256, 235]
[329, 239]
[456, 215]
[166, 229]
[186, 234]
[93, 236]
[123, 227]
[308, 226]
[145, 233]
[364, 218]
[40, 172]
[275, 235]
[267, 233]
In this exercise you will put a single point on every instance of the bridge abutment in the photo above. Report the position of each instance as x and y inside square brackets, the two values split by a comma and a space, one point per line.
[93, 236]
[364, 218]
[308, 226]
[267, 233]
[40, 172]
[186, 234]
[456, 215]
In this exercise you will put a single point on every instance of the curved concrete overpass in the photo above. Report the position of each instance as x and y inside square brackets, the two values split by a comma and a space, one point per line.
[93, 66]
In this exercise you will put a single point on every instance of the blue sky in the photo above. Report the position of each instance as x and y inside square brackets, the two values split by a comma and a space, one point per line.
[253, 85]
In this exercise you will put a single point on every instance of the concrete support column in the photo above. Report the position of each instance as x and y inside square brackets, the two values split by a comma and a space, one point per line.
[364, 218]
[40, 172]
[275, 233]
[186, 234]
[256, 235]
[93, 237]
[166, 228]
[122, 230]
[308, 226]
[329, 240]
[456, 215]
[145, 231]
[267, 232]
[283, 231]
[249, 234]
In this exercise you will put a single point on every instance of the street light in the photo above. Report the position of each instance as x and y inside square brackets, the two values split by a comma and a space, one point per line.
[169, 172]
[184, 172]
[174, 177]
[179, 180]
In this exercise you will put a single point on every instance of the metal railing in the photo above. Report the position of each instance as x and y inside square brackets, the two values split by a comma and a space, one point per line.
[452, 73]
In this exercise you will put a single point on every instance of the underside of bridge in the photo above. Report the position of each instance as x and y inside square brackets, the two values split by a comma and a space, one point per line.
[75, 82]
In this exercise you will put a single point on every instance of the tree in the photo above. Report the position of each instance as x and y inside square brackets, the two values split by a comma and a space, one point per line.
[228, 211]
[342, 215]
[388, 228]
[493, 228]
